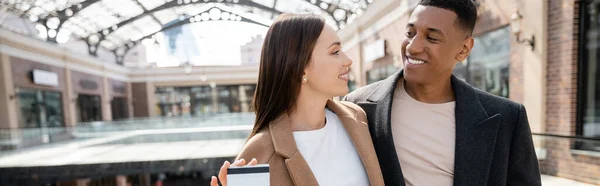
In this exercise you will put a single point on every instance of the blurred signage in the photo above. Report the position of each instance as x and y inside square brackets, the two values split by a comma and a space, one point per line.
[374, 51]
[88, 84]
[41, 77]
[119, 88]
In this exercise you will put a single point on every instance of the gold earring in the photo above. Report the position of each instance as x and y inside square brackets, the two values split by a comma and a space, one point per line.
[304, 79]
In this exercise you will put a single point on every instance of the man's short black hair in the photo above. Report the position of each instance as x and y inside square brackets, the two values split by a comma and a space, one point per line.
[466, 11]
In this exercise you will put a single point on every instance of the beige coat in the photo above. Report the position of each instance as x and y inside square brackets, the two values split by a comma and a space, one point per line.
[276, 146]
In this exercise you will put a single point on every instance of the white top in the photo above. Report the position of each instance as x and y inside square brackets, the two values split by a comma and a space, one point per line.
[424, 137]
[331, 155]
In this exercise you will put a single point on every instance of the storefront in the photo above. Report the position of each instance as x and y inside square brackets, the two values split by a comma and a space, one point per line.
[119, 104]
[199, 100]
[88, 90]
[40, 94]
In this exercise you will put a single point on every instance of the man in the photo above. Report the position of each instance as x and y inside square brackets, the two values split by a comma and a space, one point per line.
[430, 128]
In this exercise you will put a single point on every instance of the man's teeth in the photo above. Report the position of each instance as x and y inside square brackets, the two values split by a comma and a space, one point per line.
[343, 76]
[415, 62]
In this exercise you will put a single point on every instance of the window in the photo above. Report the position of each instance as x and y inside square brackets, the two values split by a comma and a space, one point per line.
[200, 100]
[40, 109]
[487, 67]
[589, 67]
[380, 73]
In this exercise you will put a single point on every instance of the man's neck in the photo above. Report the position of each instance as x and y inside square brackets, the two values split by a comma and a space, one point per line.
[432, 93]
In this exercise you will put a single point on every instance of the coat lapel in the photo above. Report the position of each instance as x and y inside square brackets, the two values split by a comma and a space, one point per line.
[285, 146]
[359, 135]
[300, 171]
[476, 132]
[378, 109]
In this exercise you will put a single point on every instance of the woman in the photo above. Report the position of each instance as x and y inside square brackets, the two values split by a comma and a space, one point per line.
[305, 136]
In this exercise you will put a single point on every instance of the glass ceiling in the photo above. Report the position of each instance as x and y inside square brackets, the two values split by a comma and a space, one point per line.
[121, 24]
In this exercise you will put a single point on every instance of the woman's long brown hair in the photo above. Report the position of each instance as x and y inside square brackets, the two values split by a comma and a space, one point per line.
[286, 52]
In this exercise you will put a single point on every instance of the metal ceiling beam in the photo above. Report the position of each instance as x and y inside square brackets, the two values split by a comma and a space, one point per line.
[173, 4]
[274, 5]
[125, 48]
[103, 33]
[63, 16]
[331, 8]
[120, 55]
[146, 10]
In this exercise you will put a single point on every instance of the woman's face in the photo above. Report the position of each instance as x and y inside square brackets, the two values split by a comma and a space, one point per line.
[328, 69]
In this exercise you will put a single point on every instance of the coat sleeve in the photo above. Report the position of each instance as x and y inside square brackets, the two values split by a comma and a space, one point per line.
[259, 147]
[523, 166]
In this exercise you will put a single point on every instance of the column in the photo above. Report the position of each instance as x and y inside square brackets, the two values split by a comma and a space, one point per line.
[121, 180]
[71, 97]
[192, 102]
[151, 99]
[8, 97]
[215, 97]
[129, 100]
[243, 99]
[106, 99]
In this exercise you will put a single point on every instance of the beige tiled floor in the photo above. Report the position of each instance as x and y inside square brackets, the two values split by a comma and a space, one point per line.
[556, 181]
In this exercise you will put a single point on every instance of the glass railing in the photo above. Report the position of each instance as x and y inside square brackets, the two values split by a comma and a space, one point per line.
[202, 144]
[13, 139]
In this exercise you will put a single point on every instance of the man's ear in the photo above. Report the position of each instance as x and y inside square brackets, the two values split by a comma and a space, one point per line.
[466, 49]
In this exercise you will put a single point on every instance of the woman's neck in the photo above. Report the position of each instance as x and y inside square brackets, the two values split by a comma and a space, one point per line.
[309, 113]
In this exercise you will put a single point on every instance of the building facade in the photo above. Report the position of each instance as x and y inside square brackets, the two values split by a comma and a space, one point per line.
[45, 87]
[250, 52]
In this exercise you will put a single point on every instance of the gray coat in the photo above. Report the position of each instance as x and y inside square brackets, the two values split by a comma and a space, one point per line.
[493, 138]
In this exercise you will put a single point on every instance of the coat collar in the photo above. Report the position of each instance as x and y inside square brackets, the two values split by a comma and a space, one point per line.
[285, 145]
[281, 129]
[476, 131]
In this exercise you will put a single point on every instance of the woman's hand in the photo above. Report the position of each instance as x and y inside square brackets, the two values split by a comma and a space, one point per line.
[223, 171]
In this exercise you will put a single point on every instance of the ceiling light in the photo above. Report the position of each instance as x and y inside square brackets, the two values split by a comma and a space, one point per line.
[205, 16]
[225, 15]
[51, 33]
[53, 22]
[215, 14]
[339, 14]
[25, 6]
[63, 36]
[68, 12]
[93, 39]
[42, 32]
[33, 18]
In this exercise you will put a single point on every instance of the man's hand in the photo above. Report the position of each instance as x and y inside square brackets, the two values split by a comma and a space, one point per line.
[223, 171]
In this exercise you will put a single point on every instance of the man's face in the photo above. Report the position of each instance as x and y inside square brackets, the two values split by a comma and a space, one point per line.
[434, 43]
